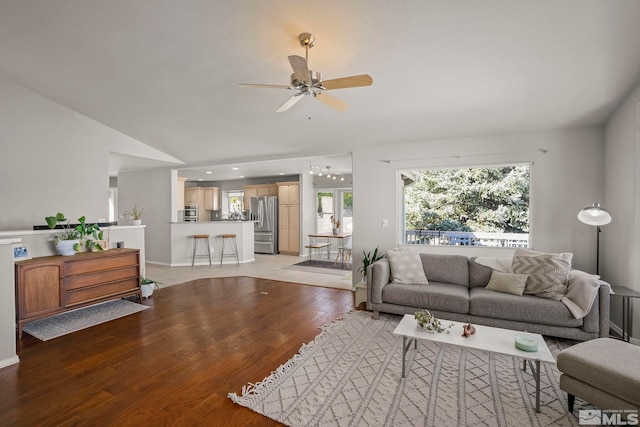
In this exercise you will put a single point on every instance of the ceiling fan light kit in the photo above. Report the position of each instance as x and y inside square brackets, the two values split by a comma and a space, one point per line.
[309, 82]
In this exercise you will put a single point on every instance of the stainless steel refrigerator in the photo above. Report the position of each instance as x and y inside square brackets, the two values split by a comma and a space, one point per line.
[264, 211]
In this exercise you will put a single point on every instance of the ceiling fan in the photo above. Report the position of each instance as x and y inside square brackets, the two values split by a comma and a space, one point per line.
[309, 82]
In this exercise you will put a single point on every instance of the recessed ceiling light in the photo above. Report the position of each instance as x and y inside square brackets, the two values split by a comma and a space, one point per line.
[200, 179]
[208, 172]
[281, 173]
[241, 176]
[235, 169]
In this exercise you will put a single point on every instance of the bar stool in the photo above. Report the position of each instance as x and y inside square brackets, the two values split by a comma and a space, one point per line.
[196, 239]
[235, 247]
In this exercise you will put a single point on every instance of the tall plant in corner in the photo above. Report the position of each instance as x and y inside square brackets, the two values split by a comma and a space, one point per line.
[368, 259]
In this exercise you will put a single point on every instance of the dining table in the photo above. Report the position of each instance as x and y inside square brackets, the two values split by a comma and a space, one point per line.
[328, 236]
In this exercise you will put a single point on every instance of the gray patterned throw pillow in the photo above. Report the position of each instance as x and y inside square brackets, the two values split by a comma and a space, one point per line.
[548, 273]
[406, 267]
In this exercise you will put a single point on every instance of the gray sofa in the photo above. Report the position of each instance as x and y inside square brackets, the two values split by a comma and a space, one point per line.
[456, 291]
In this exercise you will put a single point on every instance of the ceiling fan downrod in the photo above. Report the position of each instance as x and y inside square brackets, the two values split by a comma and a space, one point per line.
[307, 40]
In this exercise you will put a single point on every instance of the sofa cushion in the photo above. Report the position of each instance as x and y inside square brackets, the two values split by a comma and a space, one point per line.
[548, 273]
[509, 283]
[406, 267]
[526, 308]
[436, 296]
[452, 269]
[479, 275]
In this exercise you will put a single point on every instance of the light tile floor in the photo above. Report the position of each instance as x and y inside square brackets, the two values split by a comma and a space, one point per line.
[264, 266]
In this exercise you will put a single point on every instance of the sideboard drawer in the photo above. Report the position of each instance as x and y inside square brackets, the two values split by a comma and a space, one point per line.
[105, 263]
[91, 279]
[83, 295]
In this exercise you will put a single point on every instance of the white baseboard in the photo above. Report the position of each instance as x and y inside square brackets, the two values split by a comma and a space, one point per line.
[10, 361]
[618, 330]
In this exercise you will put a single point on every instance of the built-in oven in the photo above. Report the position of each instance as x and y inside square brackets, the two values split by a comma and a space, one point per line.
[191, 213]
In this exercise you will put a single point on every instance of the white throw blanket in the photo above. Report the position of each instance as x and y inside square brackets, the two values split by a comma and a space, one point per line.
[582, 287]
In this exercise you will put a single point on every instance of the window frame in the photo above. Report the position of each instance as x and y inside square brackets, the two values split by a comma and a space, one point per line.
[401, 207]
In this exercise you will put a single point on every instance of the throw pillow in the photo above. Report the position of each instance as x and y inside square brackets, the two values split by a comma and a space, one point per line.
[406, 267]
[508, 283]
[548, 273]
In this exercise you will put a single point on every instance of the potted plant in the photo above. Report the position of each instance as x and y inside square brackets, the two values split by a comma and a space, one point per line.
[69, 241]
[335, 224]
[369, 258]
[135, 214]
[147, 286]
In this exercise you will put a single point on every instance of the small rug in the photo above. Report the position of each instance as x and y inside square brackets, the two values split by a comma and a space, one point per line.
[319, 266]
[82, 318]
[349, 375]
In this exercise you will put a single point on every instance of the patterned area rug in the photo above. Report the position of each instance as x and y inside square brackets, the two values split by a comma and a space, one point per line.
[82, 318]
[350, 376]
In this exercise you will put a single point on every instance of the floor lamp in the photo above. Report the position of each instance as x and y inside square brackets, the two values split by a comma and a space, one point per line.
[597, 216]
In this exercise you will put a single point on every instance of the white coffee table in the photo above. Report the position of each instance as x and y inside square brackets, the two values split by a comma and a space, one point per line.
[486, 338]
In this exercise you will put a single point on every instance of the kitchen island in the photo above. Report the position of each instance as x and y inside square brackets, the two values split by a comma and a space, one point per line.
[182, 241]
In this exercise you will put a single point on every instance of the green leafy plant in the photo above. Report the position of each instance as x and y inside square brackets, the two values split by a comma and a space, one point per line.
[68, 233]
[136, 212]
[149, 282]
[429, 322]
[77, 232]
[368, 259]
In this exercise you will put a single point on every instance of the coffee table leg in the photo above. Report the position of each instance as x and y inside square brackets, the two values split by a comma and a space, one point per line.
[405, 347]
[404, 353]
[536, 376]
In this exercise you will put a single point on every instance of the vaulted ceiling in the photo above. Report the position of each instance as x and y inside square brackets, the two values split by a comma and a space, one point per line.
[166, 72]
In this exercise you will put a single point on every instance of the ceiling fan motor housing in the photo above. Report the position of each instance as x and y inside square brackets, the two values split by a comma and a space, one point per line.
[314, 83]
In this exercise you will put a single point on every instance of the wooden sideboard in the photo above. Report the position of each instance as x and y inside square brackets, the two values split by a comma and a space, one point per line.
[50, 285]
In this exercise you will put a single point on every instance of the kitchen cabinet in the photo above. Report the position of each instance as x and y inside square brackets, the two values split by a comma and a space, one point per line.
[289, 218]
[249, 192]
[256, 190]
[211, 197]
[50, 285]
[206, 198]
[191, 196]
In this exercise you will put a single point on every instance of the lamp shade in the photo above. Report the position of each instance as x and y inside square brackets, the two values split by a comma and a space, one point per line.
[594, 215]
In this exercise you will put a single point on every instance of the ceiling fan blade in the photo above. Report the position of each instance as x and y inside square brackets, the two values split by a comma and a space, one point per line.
[346, 82]
[289, 103]
[332, 101]
[265, 86]
[300, 68]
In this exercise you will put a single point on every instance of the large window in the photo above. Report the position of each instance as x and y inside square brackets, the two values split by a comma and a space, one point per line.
[477, 206]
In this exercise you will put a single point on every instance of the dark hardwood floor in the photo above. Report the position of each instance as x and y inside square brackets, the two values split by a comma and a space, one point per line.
[172, 365]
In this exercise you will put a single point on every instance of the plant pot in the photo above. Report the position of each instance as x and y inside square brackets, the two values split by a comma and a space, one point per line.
[336, 231]
[147, 290]
[136, 222]
[67, 247]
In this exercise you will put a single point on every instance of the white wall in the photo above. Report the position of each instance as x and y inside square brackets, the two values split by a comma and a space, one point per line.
[564, 180]
[621, 239]
[307, 210]
[152, 191]
[7, 305]
[53, 159]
